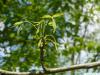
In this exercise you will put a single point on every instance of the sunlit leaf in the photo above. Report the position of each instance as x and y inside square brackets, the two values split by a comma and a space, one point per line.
[40, 43]
[54, 25]
[37, 31]
[46, 16]
[50, 23]
[57, 15]
[18, 23]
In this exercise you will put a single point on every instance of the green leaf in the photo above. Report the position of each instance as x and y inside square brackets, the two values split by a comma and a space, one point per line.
[57, 15]
[47, 16]
[50, 23]
[37, 31]
[54, 25]
[18, 23]
[40, 43]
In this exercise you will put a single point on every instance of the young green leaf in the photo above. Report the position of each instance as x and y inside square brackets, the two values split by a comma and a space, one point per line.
[40, 43]
[50, 23]
[57, 15]
[54, 25]
[47, 16]
[37, 31]
[18, 23]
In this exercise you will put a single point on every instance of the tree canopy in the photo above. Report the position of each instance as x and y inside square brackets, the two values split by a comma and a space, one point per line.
[50, 33]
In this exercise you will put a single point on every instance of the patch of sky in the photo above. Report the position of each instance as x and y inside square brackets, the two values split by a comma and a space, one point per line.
[2, 26]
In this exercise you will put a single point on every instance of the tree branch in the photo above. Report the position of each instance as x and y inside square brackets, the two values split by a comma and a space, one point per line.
[42, 53]
[54, 70]
[75, 67]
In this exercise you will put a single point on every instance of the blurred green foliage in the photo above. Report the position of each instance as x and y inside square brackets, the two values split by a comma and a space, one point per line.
[26, 21]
